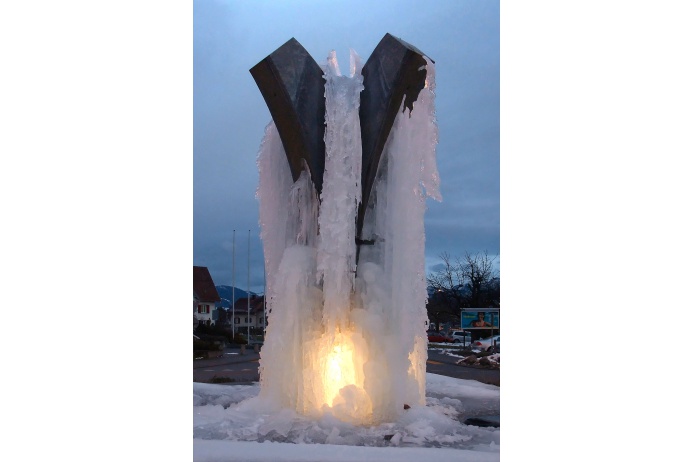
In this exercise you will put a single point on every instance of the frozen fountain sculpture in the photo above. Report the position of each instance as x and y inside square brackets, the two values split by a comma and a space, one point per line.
[343, 232]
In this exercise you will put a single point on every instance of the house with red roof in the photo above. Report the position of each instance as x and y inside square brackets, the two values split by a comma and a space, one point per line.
[205, 295]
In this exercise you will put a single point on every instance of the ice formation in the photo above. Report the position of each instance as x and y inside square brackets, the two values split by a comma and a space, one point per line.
[236, 413]
[347, 340]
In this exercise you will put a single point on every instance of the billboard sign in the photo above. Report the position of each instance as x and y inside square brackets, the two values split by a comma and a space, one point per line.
[480, 318]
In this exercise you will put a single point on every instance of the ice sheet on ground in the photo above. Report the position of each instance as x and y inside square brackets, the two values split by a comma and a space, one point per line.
[234, 413]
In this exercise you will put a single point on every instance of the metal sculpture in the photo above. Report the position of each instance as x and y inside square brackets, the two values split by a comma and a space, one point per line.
[293, 87]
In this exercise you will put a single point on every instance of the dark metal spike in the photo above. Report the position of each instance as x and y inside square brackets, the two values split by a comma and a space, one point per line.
[395, 71]
[292, 84]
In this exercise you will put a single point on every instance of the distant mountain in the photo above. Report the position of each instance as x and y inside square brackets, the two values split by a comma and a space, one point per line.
[226, 293]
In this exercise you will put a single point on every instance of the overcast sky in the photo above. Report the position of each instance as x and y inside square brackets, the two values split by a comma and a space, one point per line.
[230, 116]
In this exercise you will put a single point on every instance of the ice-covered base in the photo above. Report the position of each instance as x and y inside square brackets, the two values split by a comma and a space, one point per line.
[230, 420]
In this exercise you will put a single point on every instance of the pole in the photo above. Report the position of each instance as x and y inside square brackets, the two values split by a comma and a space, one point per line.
[264, 300]
[233, 289]
[248, 287]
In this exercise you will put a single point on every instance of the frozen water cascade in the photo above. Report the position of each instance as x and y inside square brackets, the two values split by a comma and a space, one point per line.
[347, 341]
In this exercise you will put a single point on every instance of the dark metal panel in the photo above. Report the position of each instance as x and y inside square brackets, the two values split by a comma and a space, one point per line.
[292, 84]
[394, 71]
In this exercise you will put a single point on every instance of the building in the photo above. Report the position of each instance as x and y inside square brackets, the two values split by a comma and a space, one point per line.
[205, 295]
[256, 319]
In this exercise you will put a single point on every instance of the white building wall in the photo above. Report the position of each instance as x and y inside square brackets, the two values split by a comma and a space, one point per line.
[205, 311]
[254, 321]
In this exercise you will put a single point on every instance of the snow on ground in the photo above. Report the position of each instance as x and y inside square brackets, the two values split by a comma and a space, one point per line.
[494, 359]
[230, 423]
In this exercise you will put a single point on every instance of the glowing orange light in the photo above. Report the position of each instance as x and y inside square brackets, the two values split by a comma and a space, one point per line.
[339, 368]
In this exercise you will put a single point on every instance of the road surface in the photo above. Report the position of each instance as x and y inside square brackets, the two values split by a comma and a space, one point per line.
[233, 366]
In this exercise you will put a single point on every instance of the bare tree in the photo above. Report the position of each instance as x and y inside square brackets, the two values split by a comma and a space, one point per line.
[469, 282]
[447, 297]
[479, 273]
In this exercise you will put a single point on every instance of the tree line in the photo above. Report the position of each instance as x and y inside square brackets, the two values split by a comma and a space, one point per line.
[470, 281]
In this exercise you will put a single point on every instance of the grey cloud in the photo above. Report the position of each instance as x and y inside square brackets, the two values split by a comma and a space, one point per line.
[230, 115]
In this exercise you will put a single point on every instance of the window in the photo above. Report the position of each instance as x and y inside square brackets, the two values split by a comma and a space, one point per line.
[246, 320]
[236, 320]
[203, 309]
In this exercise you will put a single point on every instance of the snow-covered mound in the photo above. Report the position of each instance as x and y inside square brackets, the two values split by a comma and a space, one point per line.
[229, 422]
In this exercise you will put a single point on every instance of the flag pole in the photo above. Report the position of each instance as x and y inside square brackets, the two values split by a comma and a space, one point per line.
[248, 287]
[233, 288]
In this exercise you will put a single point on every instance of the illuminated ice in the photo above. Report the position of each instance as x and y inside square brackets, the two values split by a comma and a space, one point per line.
[343, 341]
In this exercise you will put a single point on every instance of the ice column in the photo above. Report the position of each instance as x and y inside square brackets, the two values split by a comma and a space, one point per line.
[351, 344]
[341, 192]
[391, 278]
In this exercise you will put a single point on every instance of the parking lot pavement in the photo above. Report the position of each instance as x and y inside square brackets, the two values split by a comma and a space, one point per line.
[232, 365]
[228, 355]
[442, 364]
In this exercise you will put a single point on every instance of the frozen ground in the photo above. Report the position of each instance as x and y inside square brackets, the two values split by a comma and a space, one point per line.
[231, 424]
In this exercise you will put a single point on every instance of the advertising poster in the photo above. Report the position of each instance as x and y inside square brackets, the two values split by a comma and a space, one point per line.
[485, 319]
